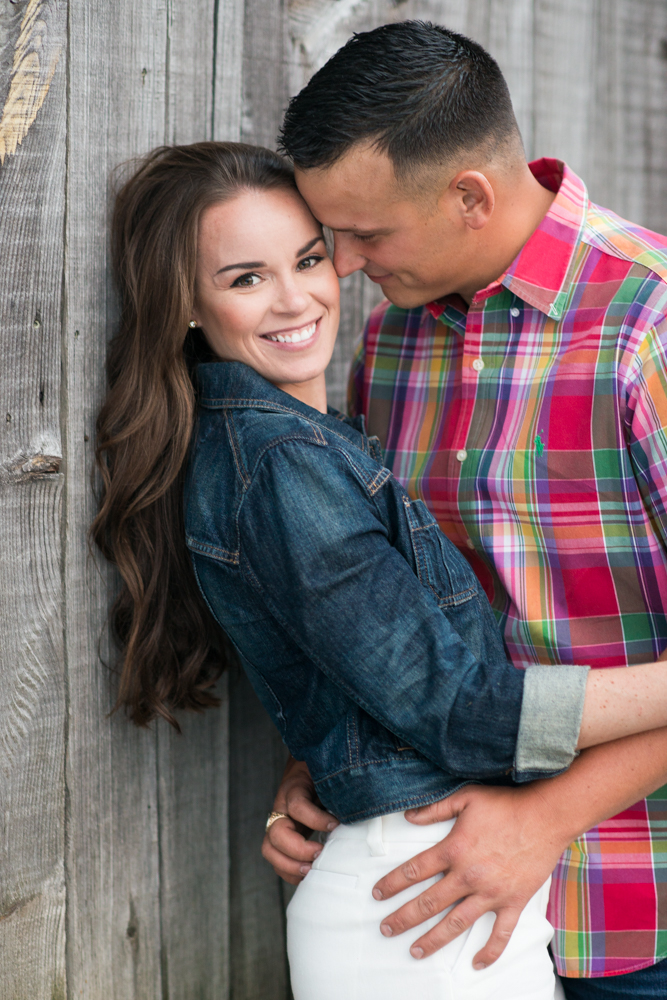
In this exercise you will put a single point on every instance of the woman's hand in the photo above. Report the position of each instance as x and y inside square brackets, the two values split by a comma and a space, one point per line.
[286, 845]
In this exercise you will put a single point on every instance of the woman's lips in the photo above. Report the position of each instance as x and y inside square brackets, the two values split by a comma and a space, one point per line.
[303, 336]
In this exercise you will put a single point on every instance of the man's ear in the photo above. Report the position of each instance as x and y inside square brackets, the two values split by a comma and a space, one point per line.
[473, 198]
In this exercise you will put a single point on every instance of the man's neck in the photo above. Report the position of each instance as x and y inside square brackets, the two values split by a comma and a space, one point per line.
[521, 206]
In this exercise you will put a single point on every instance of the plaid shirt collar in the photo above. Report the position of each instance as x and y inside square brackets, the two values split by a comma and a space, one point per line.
[544, 269]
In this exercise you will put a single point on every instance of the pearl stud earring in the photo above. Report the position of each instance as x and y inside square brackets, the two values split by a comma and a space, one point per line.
[192, 323]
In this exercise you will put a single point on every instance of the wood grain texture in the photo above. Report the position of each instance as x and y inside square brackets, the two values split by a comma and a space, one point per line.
[229, 17]
[118, 108]
[193, 768]
[258, 960]
[32, 692]
[130, 865]
[194, 855]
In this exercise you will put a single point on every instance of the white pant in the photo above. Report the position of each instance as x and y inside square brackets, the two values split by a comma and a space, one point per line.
[336, 950]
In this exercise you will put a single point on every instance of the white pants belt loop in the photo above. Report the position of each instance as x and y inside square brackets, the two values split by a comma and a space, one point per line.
[374, 838]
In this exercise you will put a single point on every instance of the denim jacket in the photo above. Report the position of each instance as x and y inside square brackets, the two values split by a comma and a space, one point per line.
[363, 630]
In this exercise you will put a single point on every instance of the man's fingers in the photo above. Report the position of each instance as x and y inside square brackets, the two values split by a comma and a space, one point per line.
[506, 921]
[436, 812]
[428, 904]
[458, 920]
[432, 862]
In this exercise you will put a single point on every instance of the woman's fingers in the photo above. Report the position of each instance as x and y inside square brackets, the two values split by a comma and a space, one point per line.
[288, 851]
[286, 846]
[296, 797]
[288, 840]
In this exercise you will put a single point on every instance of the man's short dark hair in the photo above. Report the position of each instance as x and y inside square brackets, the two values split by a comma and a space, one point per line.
[416, 91]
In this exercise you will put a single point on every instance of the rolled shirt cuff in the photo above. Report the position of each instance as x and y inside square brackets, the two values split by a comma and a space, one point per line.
[551, 713]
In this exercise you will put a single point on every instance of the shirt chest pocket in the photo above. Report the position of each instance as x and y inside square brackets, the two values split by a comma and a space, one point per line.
[440, 566]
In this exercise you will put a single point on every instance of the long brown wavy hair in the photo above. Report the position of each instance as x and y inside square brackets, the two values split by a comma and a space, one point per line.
[172, 651]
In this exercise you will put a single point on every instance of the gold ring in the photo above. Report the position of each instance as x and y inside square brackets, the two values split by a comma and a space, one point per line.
[273, 817]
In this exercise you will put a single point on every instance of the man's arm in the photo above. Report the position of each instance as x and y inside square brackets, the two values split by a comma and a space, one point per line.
[507, 841]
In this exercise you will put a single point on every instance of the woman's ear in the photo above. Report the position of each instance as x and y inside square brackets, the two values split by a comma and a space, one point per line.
[473, 197]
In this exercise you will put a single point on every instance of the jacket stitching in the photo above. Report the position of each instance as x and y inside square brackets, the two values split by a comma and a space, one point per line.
[225, 555]
[236, 449]
[278, 408]
[397, 804]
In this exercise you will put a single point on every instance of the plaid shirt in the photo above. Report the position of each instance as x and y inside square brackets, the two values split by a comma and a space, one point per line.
[533, 426]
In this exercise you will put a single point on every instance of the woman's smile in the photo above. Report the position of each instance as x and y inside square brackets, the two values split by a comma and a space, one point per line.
[299, 338]
[266, 291]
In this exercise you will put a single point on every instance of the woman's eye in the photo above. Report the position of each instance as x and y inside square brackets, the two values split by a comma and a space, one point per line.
[308, 262]
[246, 281]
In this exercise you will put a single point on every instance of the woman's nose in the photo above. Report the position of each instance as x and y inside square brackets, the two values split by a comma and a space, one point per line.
[346, 258]
[291, 298]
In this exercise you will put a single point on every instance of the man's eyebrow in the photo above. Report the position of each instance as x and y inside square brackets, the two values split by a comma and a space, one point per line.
[308, 246]
[248, 266]
[362, 232]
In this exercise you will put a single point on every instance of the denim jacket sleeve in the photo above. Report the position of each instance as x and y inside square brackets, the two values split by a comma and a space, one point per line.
[314, 547]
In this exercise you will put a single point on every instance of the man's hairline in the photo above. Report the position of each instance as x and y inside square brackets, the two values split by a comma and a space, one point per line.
[435, 176]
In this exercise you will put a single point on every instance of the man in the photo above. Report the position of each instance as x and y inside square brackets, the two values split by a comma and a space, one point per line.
[517, 382]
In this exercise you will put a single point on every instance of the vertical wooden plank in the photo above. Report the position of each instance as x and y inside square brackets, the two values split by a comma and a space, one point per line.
[193, 768]
[190, 61]
[229, 16]
[117, 108]
[194, 851]
[32, 692]
[265, 89]
[628, 143]
[564, 92]
[258, 959]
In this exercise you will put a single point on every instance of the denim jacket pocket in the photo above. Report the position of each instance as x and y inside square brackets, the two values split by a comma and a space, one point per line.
[440, 566]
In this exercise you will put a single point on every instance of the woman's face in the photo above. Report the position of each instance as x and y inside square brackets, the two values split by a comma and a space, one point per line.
[266, 292]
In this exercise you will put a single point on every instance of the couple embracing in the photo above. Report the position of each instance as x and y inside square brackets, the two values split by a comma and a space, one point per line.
[418, 591]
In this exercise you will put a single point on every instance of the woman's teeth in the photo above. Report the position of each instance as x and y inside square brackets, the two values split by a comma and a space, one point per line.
[297, 337]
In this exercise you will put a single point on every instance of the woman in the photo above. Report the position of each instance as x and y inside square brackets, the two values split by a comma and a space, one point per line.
[361, 627]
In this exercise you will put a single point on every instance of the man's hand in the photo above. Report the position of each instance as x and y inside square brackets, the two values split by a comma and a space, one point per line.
[506, 841]
[502, 848]
[286, 845]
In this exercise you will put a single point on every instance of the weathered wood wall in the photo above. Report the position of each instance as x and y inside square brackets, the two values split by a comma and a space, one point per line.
[129, 864]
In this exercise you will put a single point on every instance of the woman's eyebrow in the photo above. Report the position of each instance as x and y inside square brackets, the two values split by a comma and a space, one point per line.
[308, 246]
[249, 264]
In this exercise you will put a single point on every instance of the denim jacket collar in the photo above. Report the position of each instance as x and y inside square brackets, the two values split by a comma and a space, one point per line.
[234, 385]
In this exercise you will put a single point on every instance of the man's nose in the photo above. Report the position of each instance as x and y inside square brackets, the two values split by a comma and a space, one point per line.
[345, 257]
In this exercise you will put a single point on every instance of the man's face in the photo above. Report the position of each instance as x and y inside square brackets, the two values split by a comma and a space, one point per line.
[415, 245]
